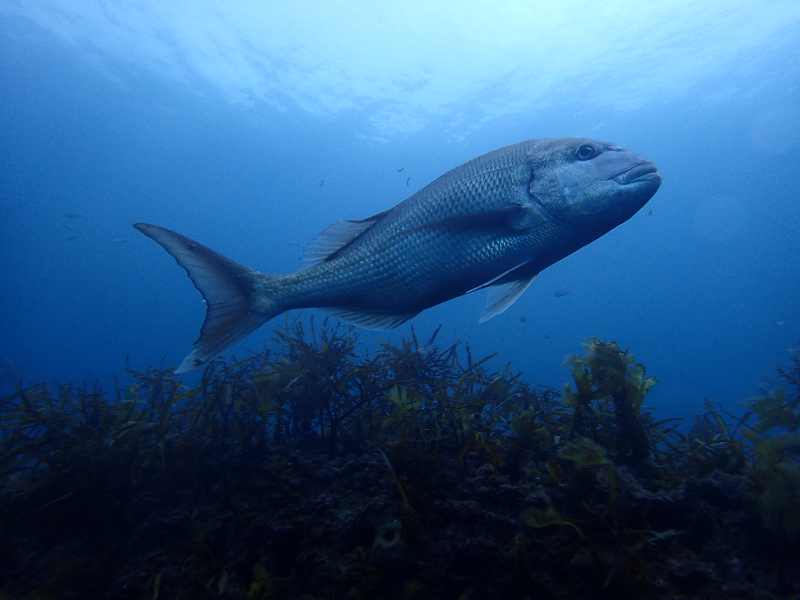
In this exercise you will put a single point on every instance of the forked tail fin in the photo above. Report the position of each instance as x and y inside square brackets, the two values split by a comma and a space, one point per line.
[227, 288]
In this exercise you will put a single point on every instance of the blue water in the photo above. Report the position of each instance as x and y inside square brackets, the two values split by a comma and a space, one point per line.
[702, 285]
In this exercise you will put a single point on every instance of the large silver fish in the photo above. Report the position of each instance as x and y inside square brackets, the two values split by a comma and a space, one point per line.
[494, 222]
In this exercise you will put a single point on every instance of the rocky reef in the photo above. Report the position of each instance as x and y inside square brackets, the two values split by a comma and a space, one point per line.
[321, 471]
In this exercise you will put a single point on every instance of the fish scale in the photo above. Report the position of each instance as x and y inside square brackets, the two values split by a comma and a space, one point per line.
[494, 222]
[462, 191]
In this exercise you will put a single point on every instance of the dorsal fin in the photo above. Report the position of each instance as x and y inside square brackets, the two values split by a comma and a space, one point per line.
[335, 237]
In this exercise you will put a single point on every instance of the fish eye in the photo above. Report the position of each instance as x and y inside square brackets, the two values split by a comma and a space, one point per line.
[586, 151]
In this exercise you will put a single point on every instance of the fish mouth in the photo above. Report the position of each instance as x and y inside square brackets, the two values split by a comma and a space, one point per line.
[644, 171]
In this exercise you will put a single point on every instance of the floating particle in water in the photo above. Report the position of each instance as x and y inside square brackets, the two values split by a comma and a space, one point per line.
[400, 169]
[72, 215]
[120, 241]
[561, 292]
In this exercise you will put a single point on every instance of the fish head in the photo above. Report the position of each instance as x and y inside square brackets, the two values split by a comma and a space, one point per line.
[591, 184]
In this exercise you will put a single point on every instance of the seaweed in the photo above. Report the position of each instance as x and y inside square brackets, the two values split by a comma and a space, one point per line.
[609, 375]
[710, 445]
[776, 456]
[319, 469]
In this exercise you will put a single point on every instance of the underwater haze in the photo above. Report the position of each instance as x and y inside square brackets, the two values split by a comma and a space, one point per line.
[251, 126]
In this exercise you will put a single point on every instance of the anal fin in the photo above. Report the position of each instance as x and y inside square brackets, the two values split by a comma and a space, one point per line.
[370, 320]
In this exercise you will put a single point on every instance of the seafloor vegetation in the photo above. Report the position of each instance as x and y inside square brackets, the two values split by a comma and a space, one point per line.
[416, 472]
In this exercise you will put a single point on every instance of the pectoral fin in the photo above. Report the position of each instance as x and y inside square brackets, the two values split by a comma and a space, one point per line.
[509, 218]
[505, 290]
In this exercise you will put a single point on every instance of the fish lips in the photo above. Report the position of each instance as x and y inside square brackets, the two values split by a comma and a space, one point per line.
[639, 173]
